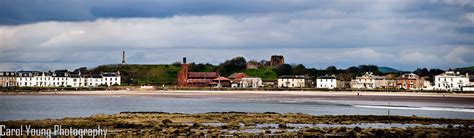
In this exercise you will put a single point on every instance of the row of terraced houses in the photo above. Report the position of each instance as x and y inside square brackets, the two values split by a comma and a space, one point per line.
[58, 78]
[450, 81]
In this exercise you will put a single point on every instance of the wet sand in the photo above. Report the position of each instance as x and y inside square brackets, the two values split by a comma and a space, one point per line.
[465, 99]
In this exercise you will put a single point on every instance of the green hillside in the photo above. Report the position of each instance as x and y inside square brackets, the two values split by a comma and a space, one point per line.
[471, 68]
[143, 74]
[387, 70]
[134, 74]
[266, 73]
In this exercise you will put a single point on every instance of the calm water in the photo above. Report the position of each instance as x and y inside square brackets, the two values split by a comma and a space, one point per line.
[53, 106]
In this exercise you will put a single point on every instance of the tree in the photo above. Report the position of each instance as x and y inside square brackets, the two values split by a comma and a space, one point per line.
[176, 64]
[353, 70]
[284, 69]
[434, 72]
[197, 67]
[264, 63]
[422, 72]
[231, 66]
[369, 68]
[331, 70]
[299, 69]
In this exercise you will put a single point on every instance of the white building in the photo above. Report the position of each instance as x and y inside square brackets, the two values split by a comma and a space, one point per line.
[293, 81]
[111, 78]
[64, 78]
[328, 82]
[451, 81]
[251, 82]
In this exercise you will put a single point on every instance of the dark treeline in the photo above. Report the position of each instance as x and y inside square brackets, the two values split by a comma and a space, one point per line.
[238, 64]
[136, 74]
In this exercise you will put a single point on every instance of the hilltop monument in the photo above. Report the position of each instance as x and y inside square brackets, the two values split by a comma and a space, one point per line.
[123, 57]
[277, 60]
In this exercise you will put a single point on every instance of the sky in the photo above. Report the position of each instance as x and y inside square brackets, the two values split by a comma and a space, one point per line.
[402, 34]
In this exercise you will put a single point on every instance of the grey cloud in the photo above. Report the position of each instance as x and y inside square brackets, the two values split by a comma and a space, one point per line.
[317, 33]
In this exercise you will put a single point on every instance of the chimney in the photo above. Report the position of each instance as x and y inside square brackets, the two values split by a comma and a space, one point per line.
[184, 60]
[123, 57]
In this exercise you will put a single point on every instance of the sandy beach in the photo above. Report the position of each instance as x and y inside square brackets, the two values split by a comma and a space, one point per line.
[255, 93]
[441, 98]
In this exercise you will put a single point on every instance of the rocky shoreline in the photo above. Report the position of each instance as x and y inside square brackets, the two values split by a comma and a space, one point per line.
[259, 124]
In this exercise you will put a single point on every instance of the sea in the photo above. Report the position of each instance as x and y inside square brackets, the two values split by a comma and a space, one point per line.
[32, 107]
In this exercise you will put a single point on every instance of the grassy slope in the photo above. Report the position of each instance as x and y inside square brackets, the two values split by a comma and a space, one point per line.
[266, 73]
[144, 74]
[166, 74]
[471, 68]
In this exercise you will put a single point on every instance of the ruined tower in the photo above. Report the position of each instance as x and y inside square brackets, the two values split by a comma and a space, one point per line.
[277, 60]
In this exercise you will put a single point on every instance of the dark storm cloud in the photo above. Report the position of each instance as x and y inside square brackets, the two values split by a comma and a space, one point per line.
[404, 34]
[28, 11]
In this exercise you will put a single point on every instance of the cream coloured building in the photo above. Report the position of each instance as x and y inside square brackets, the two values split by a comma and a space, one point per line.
[7, 79]
[294, 81]
[371, 81]
[251, 82]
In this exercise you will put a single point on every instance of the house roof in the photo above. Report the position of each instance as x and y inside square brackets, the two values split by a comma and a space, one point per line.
[408, 76]
[198, 81]
[109, 74]
[370, 75]
[8, 74]
[451, 74]
[222, 79]
[293, 77]
[236, 75]
[203, 74]
[326, 77]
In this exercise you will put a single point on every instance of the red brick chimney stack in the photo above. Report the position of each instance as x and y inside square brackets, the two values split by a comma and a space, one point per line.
[183, 74]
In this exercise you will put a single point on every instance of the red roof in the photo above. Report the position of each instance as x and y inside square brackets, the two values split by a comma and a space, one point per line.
[198, 81]
[238, 76]
[203, 74]
[222, 79]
